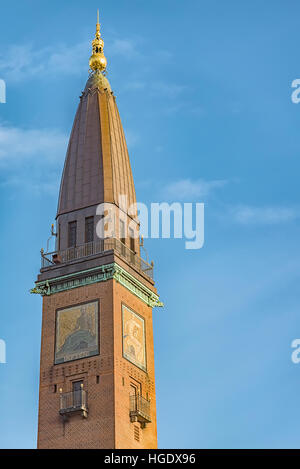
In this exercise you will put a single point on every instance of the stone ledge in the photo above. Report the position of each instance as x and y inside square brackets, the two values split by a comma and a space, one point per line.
[95, 275]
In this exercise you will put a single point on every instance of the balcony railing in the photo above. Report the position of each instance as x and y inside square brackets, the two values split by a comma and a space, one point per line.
[139, 408]
[49, 259]
[73, 402]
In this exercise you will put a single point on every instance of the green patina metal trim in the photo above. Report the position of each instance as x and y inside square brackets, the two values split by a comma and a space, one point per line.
[94, 275]
[136, 287]
[67, 282]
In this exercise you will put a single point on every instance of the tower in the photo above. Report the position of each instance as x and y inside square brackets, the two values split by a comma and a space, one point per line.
[97, 386]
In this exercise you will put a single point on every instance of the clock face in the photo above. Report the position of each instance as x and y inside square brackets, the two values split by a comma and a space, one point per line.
[134, 343]
[77, 332]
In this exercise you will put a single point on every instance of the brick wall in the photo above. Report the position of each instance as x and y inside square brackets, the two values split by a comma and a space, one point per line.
[127, 373]
[108, 424]
[97, 431]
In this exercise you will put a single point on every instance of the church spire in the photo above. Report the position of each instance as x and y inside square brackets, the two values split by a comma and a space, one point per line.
[98, 60]
[98, 292]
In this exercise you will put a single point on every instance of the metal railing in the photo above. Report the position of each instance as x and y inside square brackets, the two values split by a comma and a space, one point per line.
[73, 401]
[49, 259]
[139, 408]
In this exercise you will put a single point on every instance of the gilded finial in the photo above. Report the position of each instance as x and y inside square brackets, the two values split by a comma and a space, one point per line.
[98, 60]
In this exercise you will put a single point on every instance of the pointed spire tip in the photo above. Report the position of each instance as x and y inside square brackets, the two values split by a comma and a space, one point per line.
[97, 59]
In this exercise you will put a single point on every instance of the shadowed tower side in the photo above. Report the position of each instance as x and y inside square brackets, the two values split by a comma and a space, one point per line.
[97, 383]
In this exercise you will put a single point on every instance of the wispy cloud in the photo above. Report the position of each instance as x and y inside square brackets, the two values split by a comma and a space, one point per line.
[126, 48]
[37, 182]
[39, 144]
[185, 189]
[250, 215]
[31, 158]
[136, 85]
[23, 62]
[157, 88]
[171, 90]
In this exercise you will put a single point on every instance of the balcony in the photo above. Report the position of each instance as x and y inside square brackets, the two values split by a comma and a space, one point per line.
[74, 402]
[50, 259]
[139, 410]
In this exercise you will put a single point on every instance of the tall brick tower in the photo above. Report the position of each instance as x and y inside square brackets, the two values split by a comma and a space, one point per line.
[97, 387]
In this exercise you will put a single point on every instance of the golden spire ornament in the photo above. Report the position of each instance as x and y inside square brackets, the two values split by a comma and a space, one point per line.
[98, 60]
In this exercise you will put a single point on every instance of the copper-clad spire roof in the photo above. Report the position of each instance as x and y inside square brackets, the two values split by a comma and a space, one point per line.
[97, 167]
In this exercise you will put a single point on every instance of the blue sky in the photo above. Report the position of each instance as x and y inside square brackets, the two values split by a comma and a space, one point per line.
[204, 93]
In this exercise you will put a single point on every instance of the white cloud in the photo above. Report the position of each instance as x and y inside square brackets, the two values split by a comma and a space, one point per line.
[159, 88]
[169, 90]
[22, 62]
[36, 183]
[127, 48]
[31, 159]
[247, 215]
[188, 189]
[39, 144]
[135, 85]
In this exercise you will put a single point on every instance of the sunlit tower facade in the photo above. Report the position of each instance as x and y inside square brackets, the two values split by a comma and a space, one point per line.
[97, 382]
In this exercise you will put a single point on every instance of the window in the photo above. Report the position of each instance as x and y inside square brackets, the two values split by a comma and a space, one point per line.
[77, 394]
[122, 238]
[89, 235]
[97, 379]
[101, 227]
[133, 395]
[132, 247]
[72, 234]
[89, 230]
[122, 232]
[131, 234]
[77, 385]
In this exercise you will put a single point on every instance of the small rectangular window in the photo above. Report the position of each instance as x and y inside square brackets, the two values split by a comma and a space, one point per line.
[97, 379]
[54, 388]
[77, 387]
[72, 234]
[89, 230]
[131, 234]
[122, 232]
